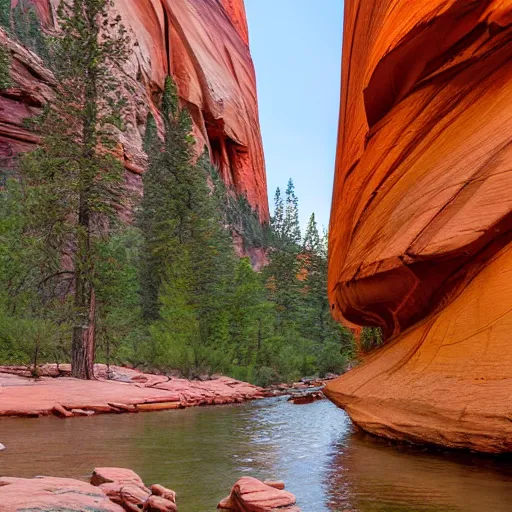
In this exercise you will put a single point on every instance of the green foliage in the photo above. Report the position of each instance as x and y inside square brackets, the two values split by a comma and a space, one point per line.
[75, 184]
[5, 14]
[27, 29]
[277, 221]
[168, 293]
[119, 328]
[371, 338]
[33, 321]
[187, 257]
[238, 214]
[174, 191]
[5, 68]
[291, 225]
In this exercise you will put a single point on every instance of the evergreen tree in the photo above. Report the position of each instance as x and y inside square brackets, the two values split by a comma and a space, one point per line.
[119, 328]
[5, 14]
[5, 65]
[77, 182]
[171, 193]
[312, 242]
[151, 140]
[277, 220]
[188, 255]
[27, 29]
[291, 227]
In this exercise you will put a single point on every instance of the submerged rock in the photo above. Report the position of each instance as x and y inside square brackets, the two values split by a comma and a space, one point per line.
[306, 398]
[252, 495]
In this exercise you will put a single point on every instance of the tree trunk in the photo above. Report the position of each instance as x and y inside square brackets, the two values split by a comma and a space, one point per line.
[84, 335]
[83, 346]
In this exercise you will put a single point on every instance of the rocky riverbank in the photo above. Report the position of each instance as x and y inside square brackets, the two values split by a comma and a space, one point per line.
[120, 390]
[119, 490]
[117, 390]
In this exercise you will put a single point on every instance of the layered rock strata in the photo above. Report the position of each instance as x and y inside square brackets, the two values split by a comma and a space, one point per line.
[203, 44]
[420, 235]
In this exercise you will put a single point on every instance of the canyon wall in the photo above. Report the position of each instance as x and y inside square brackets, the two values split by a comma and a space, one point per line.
[204, 45]
[420, 235]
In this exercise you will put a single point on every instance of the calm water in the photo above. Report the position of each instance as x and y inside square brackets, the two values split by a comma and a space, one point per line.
[201, 452]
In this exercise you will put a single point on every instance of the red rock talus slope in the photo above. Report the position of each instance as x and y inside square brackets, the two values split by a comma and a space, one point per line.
[204, 45]
[421, 222]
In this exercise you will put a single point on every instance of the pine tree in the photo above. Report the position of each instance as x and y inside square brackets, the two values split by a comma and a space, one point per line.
[188, 255]
[169, 196]
[5, 14]
[277, 220]
[77, 182]
[5, 68]
[291, 227]
[151, 140]
[251, 316]
[312, 242]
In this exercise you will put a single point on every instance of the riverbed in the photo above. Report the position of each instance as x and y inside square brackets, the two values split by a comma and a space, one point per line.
[201, 452]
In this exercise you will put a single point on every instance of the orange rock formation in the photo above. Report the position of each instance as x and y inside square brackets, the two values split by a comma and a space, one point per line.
[204, 45]
[420, 236]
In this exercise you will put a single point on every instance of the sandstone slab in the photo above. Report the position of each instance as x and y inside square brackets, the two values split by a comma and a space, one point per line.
[127, 391]
[48, 493]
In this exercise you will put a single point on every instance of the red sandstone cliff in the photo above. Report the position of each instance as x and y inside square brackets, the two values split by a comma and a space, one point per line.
[204, 45]
[420, 236]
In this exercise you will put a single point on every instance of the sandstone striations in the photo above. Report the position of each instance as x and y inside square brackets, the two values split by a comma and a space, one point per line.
[204, 45]
[420, 236]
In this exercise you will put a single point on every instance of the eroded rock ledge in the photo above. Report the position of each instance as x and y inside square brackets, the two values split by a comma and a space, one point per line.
[123, 390]
[421, 225]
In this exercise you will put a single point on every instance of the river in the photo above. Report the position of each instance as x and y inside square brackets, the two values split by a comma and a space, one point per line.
[201, 452]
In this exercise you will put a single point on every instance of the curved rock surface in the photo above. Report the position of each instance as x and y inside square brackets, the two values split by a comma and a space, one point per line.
[420, 235]
[204, 45]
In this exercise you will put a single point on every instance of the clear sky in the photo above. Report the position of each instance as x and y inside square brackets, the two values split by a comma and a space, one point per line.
[296, 48]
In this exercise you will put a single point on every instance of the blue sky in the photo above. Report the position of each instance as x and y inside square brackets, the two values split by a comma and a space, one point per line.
[296, 48]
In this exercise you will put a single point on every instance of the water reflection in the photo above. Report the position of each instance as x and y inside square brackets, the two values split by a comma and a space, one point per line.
[201, 452]
[370, 475]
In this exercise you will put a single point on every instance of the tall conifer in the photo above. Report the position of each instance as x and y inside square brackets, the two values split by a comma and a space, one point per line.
[77, 182]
